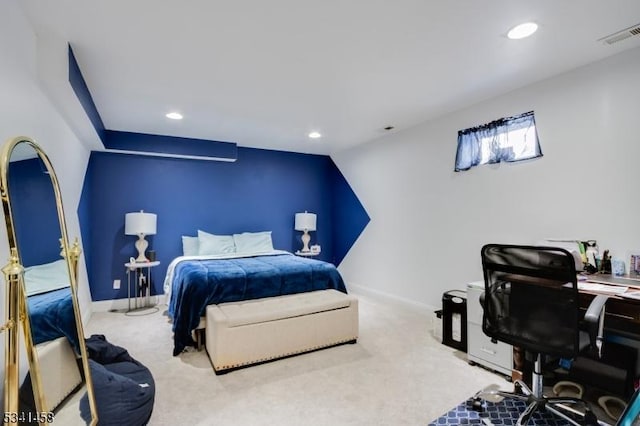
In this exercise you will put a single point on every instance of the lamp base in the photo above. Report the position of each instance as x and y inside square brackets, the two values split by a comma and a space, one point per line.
[305, 242]
[141, 246]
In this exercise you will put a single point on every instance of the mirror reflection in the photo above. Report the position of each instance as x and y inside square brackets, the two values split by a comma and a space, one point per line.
[55, 368]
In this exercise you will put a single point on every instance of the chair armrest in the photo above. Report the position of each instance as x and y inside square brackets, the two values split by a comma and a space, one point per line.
[595, 309]
[594, 318]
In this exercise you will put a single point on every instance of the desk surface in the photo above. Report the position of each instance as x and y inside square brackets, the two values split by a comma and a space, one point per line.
[613, 280]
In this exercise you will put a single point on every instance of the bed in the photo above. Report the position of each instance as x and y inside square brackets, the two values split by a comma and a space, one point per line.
[51, 316]
[194, 282]
[49, 302]
[53, 330]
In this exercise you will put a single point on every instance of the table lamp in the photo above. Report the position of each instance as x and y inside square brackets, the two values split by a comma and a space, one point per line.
[305, 222]
[140, 224]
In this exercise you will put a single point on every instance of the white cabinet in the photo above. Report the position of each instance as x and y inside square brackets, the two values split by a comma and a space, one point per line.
[481, 350]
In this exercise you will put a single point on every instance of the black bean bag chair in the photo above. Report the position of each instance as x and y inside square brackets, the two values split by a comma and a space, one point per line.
[124, 388]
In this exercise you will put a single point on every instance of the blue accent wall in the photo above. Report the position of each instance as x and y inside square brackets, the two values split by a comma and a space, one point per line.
[348, 217]
[34, 211]
[84, 218]
[261, 191]
[79, 86]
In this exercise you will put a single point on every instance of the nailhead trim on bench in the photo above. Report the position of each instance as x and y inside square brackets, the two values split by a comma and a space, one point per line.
[284, 355]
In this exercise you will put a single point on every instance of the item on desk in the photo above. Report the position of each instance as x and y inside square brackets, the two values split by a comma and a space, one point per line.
[602, 288]
[631, 295]
[634, 265]
[583, 251]
[617, 267]
[572, 246]
[315, 249]
[591, 250]
[605, 263]
[591, 253]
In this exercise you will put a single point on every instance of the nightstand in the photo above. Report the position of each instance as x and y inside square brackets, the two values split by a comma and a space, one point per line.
[306, 253]
[141, 283]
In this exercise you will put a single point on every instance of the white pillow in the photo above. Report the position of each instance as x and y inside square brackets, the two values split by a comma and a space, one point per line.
[46, 277]
[253, 242]
[190, 246]
[215, 244]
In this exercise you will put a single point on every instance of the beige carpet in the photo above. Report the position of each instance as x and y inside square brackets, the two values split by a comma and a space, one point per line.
[397, 374]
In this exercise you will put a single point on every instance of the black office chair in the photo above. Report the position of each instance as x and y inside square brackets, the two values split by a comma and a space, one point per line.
[531, 301]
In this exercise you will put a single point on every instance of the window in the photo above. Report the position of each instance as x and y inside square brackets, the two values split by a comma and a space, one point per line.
[507, 139]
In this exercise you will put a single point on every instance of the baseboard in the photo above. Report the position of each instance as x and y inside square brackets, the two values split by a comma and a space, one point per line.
[121, 304]
[390, 298]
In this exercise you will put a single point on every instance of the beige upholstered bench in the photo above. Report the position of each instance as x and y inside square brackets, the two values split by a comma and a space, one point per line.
[254, 331]
[59, 370]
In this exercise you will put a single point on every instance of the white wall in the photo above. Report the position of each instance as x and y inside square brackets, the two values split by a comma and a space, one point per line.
[25, 110]
[429, 223]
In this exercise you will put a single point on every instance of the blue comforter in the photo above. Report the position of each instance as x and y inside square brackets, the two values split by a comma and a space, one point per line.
[51, 316]
[198, 283]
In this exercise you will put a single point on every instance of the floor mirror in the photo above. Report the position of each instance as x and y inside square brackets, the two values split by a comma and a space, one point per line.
[41, 297]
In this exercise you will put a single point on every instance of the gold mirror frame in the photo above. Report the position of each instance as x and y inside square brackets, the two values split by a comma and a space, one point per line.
[16, 300]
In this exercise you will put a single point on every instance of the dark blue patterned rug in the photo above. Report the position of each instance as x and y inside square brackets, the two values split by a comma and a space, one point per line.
[501, 413]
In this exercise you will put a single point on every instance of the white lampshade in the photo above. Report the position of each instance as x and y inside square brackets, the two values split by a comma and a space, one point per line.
[305, 222]
[140, 223]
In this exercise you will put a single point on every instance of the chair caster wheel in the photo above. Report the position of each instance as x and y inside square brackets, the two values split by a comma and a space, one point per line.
[517, 388]
[476, 404]
[590, 419]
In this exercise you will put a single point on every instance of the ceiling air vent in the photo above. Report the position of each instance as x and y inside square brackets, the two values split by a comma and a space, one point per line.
[621, 35]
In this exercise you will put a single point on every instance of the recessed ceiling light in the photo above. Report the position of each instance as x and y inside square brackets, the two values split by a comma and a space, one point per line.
[174, 116]
[522, 30]
[315, 135]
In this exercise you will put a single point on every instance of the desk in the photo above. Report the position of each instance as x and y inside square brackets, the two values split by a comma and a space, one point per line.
[622, 314]
[622, 318]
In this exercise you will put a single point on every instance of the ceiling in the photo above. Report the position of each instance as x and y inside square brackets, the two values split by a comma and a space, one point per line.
[266, 73]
